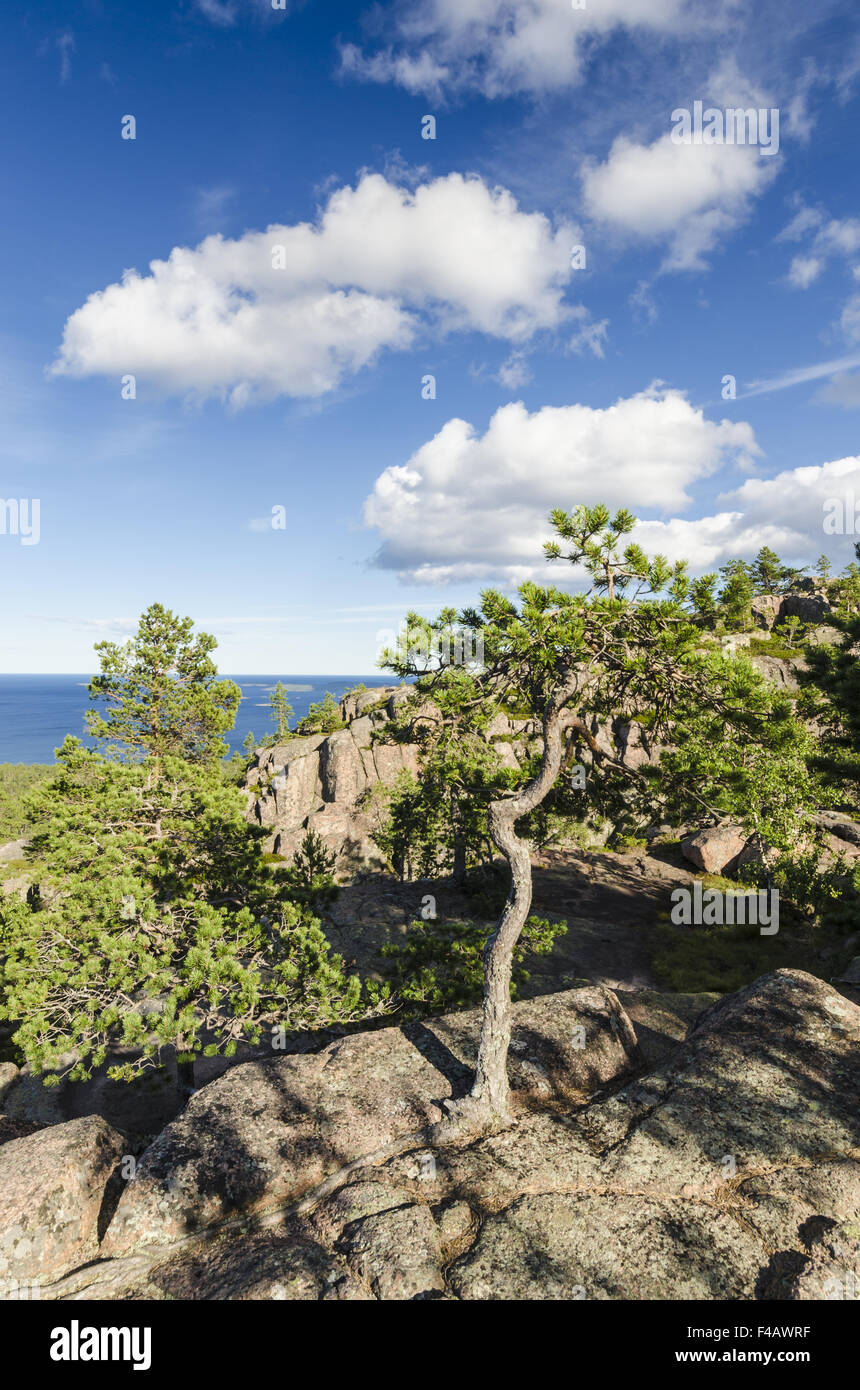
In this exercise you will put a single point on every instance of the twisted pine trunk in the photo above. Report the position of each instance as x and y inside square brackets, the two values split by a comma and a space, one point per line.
[490, 1096]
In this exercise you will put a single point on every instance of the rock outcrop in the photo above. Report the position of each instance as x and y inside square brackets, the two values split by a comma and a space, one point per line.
[55, 1191]
[780, 671]
[716, 849]
[8, 1077]
[731, 1171]
[843, 827]
[807, 601]
[335, 783]
[268, 1131]
[321, 782]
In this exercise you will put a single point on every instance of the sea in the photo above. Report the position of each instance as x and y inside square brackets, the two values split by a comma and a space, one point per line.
[36, 712]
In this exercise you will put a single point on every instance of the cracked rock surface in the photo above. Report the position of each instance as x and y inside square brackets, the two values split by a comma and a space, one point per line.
[730, 1171]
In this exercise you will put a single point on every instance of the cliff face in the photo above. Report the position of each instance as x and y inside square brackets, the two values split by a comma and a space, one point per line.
[807, 600]
[336, 783]
[322, 782]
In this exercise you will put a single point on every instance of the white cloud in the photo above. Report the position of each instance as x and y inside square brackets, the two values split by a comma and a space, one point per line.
[218, 12]
[591, 336]
[805, 220]
[381, 263]
[804, 270]
[501, 47]
[471, 508]
[834, 237]
[840, 236]
[785, 512]
[843, 390]
[793, 503]
[514, 371]
[798, 376]
[688, 195]
[643, 304]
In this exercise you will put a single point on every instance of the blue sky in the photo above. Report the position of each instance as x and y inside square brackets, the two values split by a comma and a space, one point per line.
[299, 386]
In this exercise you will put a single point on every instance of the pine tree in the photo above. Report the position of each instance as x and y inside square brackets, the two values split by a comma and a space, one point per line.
[767, 571]
[310, 876]
[155, 924]
[568, 660]
[594, 538]
[736, 594]
[438, 824]
[160, 695]
[153, 921]
[323, 717]
[281, 713]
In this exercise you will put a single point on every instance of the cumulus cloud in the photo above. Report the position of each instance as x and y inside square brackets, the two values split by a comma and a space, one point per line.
[687, 195]
[793, 502]
[472, 508]
[786, 512]
[381, 263]
[502, 47]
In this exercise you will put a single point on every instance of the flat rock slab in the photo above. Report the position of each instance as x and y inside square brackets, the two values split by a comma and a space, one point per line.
[570, 1246]
[289, 1265]
[53, 1189]
[265, 1133]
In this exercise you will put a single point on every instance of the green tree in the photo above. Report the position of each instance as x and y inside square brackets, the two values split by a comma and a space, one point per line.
[704, 599]
[594, 538]
[831, 698]
[414, 829]
[155, 924]
[281, 713]
[844, 591]
[439, 965]
[767, 571]
[310, 876]
[323, 717]
[160, 695]
[439, 823]
[571, 661]
[736, 594]
[16, 779]
[791, 631]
